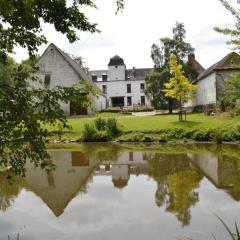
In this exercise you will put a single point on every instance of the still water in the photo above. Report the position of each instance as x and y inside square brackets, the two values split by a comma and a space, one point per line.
[105, 191]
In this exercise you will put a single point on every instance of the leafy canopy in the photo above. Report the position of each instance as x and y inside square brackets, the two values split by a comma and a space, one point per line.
[21, 22]
[160, 54]
[178, 86]
[24, 111]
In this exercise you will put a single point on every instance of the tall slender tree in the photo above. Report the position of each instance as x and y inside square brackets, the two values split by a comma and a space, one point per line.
[178, 86]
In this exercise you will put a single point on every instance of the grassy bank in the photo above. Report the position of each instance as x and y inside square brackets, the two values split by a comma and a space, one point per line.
[164, 128]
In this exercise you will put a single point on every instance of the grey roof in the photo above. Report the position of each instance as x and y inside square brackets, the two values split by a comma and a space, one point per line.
[74, 65]
[131, 74]
[229, 62]
[116, 61]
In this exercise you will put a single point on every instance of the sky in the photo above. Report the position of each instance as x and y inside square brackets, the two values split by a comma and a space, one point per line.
[131, 33]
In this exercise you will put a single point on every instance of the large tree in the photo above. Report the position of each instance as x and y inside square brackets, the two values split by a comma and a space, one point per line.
[160, 55]
[24, 111]
[21, 22]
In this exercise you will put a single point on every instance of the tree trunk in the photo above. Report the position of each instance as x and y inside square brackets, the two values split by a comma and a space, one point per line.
[170, 106]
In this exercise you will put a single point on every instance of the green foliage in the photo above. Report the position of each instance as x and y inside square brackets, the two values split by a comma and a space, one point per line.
[100, 123]
[230, 101]
[22, 22]
[24, 112]
[156, 79]
[89, 132]
[234, 33]
[101, 130]
[178, 86]
[112, 127]
[234, 235]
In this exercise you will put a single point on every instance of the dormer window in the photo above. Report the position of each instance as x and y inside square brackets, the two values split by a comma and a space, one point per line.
[94, 78]
[47, 80]
[104, 77]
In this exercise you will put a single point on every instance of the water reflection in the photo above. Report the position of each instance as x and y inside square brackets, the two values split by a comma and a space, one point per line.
[177, 177]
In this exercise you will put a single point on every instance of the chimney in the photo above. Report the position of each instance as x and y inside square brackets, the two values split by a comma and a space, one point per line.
[134, 72]
[191, 58]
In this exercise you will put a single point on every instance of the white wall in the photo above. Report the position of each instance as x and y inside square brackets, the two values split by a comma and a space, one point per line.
[116, 73]
[61, 73]
[100, 103]
[206, 92]
[119, 89]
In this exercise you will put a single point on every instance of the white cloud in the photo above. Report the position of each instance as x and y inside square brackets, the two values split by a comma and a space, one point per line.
[130, 34]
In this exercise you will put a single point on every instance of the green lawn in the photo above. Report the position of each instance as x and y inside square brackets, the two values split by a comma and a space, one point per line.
[155, 123]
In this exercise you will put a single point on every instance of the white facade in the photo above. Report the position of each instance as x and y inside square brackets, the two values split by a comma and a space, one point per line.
[63, 71]
[122, 87]
[206, 92]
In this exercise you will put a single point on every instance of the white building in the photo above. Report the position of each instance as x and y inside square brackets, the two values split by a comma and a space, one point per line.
[121, 86]
[211, 82]
[56, 68]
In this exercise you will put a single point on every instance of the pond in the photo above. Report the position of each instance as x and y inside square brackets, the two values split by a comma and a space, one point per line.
[108, 191]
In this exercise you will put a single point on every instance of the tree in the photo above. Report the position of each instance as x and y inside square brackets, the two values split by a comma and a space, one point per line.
[234, 32]
[178, 86]
[24, 111]
[20, 22]
[231, 97]
[160, 55]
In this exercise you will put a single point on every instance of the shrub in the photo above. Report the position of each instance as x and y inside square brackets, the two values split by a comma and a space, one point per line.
[112, 127]
[89, 132]
[100, 123]
[202, 135]
[217, 136]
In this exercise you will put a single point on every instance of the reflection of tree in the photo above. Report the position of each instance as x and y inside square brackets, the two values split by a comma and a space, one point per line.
[9, 191]
[103, 152]
[176, 184]
[182, 193]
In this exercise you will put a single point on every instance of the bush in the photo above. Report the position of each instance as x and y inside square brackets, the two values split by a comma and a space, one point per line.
[89, 132]
[217, 136]
[202, 135]
[112, 127]
[100, 123]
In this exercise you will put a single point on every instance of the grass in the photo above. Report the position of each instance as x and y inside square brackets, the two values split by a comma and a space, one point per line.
[149, 124]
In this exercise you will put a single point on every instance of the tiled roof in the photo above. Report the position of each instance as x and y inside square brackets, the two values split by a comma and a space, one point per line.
[231, 61]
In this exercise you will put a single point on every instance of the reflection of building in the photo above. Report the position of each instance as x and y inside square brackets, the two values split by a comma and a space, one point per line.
[126, 164]
[59, 187]
[223, 171]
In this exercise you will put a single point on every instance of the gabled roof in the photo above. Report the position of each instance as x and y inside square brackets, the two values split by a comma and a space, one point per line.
[231, 61]
[74, 65]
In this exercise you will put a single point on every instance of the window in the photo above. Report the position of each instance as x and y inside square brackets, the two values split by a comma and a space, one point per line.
[129, 89]
[142, 87]
[47, 80]
[129, 101]
[94, 78]
[104, 77]
[142, 100]
[104, 89]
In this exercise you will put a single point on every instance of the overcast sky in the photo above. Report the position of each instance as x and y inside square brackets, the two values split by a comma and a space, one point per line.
[131, 33]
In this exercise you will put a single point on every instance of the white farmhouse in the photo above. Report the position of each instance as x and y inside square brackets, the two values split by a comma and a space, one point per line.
[211, 83]
[56, 68]
[122, 87]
